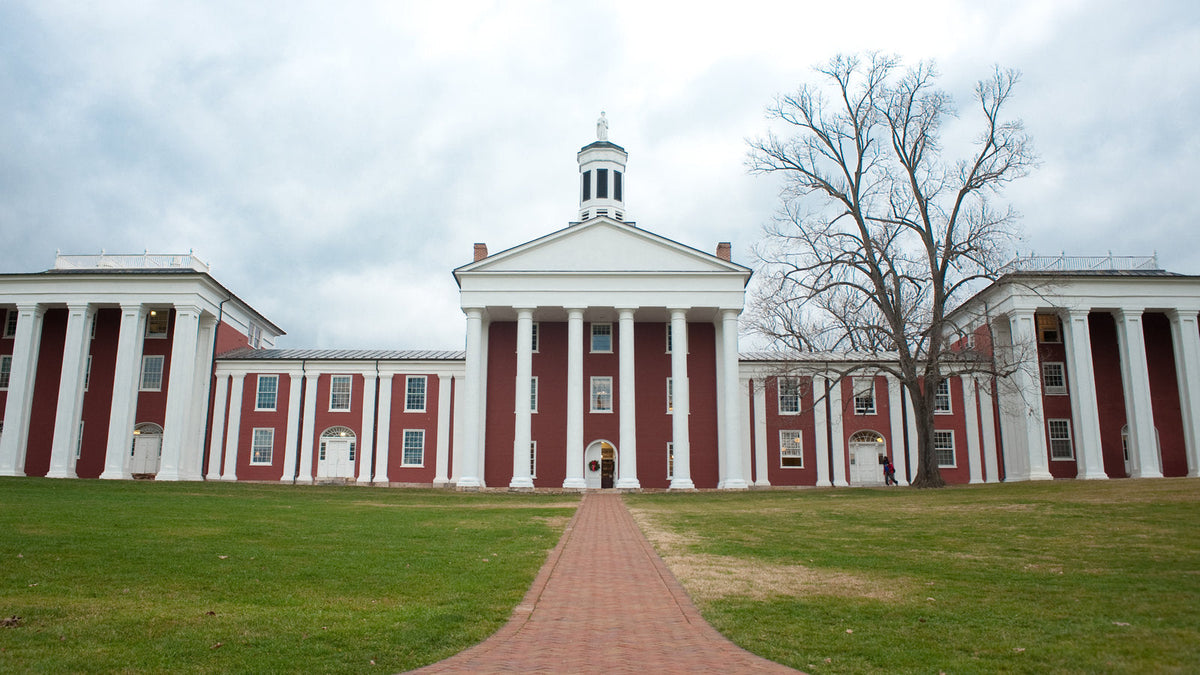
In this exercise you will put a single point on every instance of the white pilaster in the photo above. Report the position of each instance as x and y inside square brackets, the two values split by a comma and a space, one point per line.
[365, 454]
[1135, 379]
[627, 470]
[987, 422]
[123, 414]
[1028, 383]
[234, 433]
[1185, 337]
[574, 478]
[384, 438]
[304, 475]
[731, 427]
[913, 444]
[523, 436]
[971, 416]
[292, 434]
[179, 392]
[896, 420]
[70, 392]
[820, 427]
[681, 405]
[758, 426]
[1081, 378]
[19, 403]
[216, 444]
[442, 466]
[837, 432]
[474, 395]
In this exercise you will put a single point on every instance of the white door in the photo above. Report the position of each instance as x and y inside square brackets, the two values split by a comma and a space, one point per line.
[147, 451]
[336, 461]
[865, 468]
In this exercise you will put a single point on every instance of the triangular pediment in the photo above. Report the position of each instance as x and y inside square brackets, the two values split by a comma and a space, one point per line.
[602, 246]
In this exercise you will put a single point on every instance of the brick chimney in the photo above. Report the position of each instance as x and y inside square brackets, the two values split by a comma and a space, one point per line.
[480, 251]
[723, 251]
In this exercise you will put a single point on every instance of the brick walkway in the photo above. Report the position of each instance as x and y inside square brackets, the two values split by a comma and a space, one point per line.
[605, 602]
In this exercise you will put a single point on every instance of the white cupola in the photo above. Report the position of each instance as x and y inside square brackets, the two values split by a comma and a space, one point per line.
[602, 177]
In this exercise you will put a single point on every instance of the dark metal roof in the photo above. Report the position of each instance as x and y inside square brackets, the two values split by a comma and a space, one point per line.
[247, 354]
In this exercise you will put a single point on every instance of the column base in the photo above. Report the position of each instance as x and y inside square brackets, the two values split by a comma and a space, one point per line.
[439, 482]
[682, 484]
[575, 484]
[737, 484]
[1099, 475]
[841, 483]
[363, 480]
[11, 472]
[231, 478]
[1040, 476]
[1147, 474]
[762, 484]
[61, 473]
[521, 483]
[464, 483]
[116, 475]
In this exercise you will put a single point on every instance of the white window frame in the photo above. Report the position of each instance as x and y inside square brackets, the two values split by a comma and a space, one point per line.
[87, 373]
[5, 371]
[943, 434]
[668, 338]
[148, 358]
[533, 459]
[409, 394]
[1061, 425]
[533, 394]
[254, 335]
[609, 334]
[333, 380]
[409, 434]
[1039, 319]
[864, 395]
[670, 460]
[259, 393]
[670, 397]
[153, 315]
[262, 439]
[1061, 376]
[10, 324]
[947, 396]
[79, 442]
[779, 387]
[594, 398]
[785, 435]
[535, 338]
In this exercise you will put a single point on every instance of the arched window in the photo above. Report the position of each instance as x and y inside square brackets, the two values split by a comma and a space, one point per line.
[866, 437]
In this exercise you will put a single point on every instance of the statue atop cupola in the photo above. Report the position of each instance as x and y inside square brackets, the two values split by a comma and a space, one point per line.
[602, 173]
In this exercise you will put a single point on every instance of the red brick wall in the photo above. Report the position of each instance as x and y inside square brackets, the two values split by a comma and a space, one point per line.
[401, 420]
[804, 421]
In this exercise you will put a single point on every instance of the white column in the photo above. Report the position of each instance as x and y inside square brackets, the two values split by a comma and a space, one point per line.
[304, 475]
[473, 410]
[914, 443]
[292, 434]
[192, 458]
[731, 429]
[19, 403]
[70, 393]
[987, 422]
[523, 435]
[719, 363]
[820, 428]
[123, 414]
[757, 424]
[1185, 337]
[442, 466]
[574, 478]
[216, 443]
[234, 433]
[1028, 382]
[896, 419]
[681, 404]
[837, 432]
[1085, 412]
[384, 438]
[627, 470]
[1135, 379]
[971, 415]
[179, 391]
[367, 442]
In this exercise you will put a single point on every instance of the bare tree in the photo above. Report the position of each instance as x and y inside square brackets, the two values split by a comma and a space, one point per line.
[879, 235]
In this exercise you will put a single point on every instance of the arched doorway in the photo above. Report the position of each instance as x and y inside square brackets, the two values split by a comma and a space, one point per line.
[600, 465]
[867, 449]
[335, 456]
[145, 453]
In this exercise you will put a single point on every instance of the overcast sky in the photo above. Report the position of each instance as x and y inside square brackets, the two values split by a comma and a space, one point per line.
[334, 162]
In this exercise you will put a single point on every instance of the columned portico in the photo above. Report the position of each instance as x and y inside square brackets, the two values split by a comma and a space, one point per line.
[70, 392]
[574, 475]
[627, 472]
[522, 439]
[1185, 337]
[1135, 380]
[682, 478]
[1085, 412]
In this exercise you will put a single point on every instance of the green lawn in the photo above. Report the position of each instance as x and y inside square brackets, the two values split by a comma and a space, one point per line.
[212, 577]
[1069, 576]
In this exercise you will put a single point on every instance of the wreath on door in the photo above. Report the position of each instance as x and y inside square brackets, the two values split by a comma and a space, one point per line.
[594, 465]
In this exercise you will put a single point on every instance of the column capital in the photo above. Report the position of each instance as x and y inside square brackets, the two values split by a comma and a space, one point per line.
[473, 312]
[1128, 313]
[187, 309]
[78, 306]
[36, 308]
[525, 309]
[625, 311]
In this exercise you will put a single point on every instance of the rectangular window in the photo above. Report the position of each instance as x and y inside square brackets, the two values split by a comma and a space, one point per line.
[602, 394]
[414, 447]
[670, 396]
[535, 337]
[533, 391]
[617, 186]
[10, 324]
[254, 336]
[92, 328]
[602, 337]
[943, 448]
[941, 398]
[533, 459]
[587, 185]
[152, 373]
[601, 183]
[668, 338]
[791, 449]
[414, 396]
[79, 441]
[1048, 329]
[268, 392]
[789, 396]
[1054, 378]
[670, 460]
[5, 370]
[339, 393]
[262, 446]
[156, 323]
[87, 373]
[864, 396]
[1060, 440]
